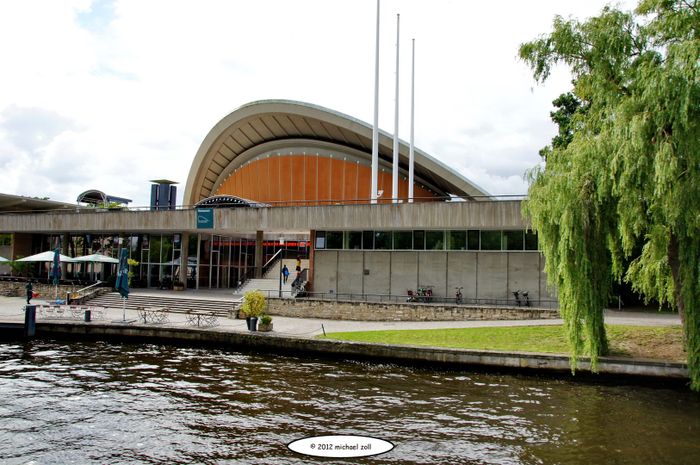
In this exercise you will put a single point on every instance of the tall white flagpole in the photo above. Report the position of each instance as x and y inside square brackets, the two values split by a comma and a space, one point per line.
[375, 128]
[411, 155]
[395, 165]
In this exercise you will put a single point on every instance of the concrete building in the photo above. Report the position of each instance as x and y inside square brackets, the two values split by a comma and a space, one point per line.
[281, 174]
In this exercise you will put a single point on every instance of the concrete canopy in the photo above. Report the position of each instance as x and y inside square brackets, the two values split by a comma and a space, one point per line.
[278, 124]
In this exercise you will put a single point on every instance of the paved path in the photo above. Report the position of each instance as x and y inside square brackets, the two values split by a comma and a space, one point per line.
[12, 310]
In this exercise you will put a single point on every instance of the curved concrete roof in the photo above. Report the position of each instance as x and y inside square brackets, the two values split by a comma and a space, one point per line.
[257, 126]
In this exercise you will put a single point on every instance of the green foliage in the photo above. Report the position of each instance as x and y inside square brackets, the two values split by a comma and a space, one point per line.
[131, 262]
[629, 173]
[5, 239]
[265, 319]
[253, 303]
[22, 268]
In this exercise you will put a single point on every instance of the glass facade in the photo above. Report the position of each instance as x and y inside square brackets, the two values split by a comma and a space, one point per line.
[482, 240]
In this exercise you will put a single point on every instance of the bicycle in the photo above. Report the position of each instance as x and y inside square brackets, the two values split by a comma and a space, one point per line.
[458, 295]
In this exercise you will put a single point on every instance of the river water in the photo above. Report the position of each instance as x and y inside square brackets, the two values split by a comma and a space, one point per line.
[97, 402]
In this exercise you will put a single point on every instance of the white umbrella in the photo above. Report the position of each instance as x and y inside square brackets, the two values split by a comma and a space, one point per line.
[44, 257]
[3, 259]
[95, 258]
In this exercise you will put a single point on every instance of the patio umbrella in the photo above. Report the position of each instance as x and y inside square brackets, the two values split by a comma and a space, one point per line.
[56, 267]
[95, 258]
[3, 259]
[47, 256]
[122, 283]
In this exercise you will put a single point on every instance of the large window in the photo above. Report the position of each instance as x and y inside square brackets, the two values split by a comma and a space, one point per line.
[491, 240]
[513, 240]
[434, 240]
[459, 239]
[456, 240]
[403, 240]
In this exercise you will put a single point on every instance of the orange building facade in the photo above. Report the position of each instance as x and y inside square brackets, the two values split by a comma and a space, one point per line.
[312, 178]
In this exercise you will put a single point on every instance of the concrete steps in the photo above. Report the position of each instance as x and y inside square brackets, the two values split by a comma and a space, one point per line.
[113, 300]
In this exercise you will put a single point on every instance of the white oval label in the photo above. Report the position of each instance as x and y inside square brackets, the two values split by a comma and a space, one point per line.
[340, 446]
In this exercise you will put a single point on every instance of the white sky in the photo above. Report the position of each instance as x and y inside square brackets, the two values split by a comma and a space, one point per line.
[109, 94]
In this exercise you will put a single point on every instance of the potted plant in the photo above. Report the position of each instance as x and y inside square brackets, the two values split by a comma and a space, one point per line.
[265, 323]
[252, 308]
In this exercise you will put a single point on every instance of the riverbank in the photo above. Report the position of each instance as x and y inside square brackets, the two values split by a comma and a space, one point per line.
[298, 336]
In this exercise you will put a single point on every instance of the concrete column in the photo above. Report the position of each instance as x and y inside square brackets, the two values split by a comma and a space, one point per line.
[312, 252]
[184, 250]
[258, 254]
[64, 251]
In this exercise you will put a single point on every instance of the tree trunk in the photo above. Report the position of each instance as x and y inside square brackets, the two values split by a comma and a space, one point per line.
[675, 264]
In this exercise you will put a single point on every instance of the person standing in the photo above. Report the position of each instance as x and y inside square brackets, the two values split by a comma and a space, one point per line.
[30, 290]
[285, 273]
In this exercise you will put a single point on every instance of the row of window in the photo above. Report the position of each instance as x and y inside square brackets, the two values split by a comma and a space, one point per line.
[472, 239]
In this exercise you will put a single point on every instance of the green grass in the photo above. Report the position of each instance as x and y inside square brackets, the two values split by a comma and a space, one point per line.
[633, 341]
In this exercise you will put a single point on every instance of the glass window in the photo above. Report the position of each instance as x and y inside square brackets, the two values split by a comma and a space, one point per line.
[334, 239]
[434, 240]
[457, 240]
[473, 239]
[403, 240]
[418, 240]
[382, 240]
[513, 240]
[320, 240]
[531, 240]
[354, 240]
[368, 240]
[490, 240]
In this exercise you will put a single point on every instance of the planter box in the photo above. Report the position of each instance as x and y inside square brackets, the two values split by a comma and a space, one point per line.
[265, 328]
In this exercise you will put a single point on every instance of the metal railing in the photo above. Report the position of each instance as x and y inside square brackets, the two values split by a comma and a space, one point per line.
[426, 300]
[80, 209]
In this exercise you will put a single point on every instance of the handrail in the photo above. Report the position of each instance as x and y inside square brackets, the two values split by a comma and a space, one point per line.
[88, 287]
[273, 258]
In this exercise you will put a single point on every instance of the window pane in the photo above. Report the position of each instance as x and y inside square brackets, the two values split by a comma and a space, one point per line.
[473, 239]
[457, 240]
[368, 240]
[382, 240]
[334, 239]
[513, 240]
[530, 240]
[435, 240]
[403, 240]
[490, 240]
[418, 240]
[354, 239]
[320, 240]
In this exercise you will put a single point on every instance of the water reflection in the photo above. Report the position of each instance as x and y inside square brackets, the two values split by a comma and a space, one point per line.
[111, 403]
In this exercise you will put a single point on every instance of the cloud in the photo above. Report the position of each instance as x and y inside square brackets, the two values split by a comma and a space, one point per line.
[112, 94]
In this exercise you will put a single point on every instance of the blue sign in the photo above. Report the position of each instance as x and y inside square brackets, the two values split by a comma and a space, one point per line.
[205, 218]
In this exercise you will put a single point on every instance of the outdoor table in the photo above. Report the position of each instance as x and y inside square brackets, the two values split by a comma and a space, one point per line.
[199, 318]
[155, 315]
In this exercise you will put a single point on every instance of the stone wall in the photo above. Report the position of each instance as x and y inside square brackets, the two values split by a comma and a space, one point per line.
[46, 291]
[370, 311]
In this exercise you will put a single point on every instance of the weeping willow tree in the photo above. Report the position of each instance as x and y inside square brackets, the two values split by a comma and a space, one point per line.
[629, 174]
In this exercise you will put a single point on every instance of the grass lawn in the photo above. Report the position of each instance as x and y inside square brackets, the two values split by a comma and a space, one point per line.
[655, 342]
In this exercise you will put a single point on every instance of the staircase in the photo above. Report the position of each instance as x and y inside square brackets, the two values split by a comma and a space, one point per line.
[269, 284]
[113, 300]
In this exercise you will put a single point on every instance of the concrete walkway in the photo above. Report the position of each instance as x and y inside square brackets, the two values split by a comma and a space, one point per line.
[12, 310]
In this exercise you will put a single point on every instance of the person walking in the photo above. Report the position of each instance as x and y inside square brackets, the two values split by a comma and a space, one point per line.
[285, 273]
[30, 290]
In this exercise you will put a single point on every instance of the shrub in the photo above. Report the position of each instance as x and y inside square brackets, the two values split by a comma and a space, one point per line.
[253, 303]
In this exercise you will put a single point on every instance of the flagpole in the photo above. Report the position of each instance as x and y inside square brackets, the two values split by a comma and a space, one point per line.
[375, 128]
[411, 155]
[395, 166]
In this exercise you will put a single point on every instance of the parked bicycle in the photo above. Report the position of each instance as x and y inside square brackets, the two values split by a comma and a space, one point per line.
[458, 294]
[521, 297]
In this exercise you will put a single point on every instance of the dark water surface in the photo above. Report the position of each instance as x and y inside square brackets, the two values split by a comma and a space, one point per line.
[93, 402]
